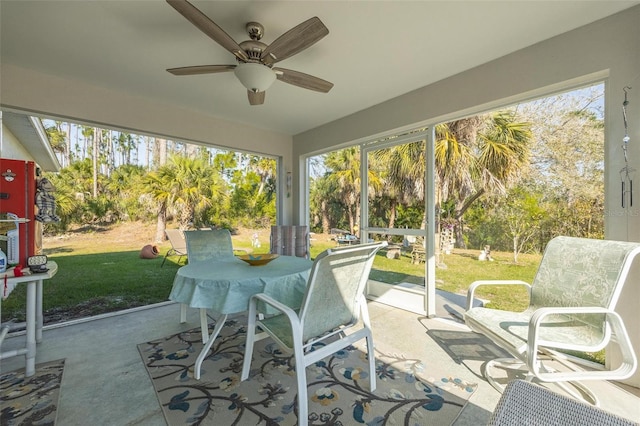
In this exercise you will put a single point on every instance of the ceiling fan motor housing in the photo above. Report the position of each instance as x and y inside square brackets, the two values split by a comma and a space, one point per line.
[253, 49]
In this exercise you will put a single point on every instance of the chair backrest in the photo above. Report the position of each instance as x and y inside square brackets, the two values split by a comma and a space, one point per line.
[206, 245]
[336, 282]
[177, 240]
[290, 240]
[582, 272]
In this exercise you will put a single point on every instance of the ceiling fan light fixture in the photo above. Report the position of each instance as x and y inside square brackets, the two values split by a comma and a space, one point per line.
[255, 77]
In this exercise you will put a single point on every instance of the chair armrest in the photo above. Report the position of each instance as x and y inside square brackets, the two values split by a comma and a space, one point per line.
[474, 285]
[290, 313]
[629, 361]
[292, 316]
[541, 313]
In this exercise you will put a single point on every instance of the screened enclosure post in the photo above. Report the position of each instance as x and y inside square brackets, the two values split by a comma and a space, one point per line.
[430, 213]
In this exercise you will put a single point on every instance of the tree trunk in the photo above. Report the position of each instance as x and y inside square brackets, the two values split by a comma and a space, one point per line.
[147, 153]
[326, 225]
[111, 164]
[191, 151]
[515, 249]
[458, 216]
[96, 134]
[161, 223]
[185, 217]
[392, 213]
[67, 147]
[162, 151]
[459, 235]
[351, 218]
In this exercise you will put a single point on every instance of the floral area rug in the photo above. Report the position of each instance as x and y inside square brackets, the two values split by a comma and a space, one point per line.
[31, 400]
[338, 386]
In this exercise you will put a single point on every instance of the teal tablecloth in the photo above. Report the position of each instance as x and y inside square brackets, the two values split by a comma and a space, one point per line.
[226, 286]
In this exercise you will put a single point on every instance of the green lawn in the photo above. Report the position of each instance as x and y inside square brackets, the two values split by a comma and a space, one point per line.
[90, 283]
[100, 277]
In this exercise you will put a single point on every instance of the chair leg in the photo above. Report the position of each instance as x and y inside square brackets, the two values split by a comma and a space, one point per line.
[301, 378]
[169, 253]
[364, 313]
[372, 363]
[248, 349]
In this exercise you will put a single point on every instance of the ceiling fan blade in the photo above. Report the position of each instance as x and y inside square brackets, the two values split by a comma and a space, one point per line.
[295, 40]
[303, 80]
[256, 98]
[208, 27]
[201, 69]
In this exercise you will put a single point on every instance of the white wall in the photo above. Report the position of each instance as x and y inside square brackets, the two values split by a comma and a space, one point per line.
[608, 49]
[11, 148]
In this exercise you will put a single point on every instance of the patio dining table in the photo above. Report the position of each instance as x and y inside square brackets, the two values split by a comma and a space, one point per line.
[225, 286]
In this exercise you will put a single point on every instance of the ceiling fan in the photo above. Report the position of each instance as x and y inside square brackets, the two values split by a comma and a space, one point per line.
[255, 59]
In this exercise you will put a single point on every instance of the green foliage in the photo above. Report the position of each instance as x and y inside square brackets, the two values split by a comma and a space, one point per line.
[522, 214]
[249, 196]
[56, 136]
[512, 179]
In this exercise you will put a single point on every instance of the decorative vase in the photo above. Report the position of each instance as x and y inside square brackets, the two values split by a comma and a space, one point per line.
[148, 252]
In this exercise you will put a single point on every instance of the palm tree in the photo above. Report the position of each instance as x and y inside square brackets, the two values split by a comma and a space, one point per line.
[479, 155]
[345, 177]
[185, 185]
[157, 184]
[265, 168]
[473, 156]
[125, 187]
[58, 140]
[321, 193]
[404, 175]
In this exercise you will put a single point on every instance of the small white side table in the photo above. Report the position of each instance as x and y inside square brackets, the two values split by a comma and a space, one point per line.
[34, 313]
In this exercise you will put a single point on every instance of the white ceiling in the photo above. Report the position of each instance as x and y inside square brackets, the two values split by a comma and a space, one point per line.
[375, 50]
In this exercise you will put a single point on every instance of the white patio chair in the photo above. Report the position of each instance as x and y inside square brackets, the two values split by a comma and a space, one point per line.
[178, 244]
[202, 247]
[290, 240]
[334, 301]
[571, 308]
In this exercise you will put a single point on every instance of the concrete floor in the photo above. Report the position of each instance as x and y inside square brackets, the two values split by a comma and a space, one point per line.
[105, 382]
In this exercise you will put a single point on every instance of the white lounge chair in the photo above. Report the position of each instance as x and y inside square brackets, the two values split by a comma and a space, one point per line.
[178, 244]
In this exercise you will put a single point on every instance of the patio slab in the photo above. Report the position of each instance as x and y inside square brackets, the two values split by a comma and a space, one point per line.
[105, 381]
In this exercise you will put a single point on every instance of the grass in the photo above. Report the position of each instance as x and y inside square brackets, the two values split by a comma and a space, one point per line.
[96, 280]
[460, 269]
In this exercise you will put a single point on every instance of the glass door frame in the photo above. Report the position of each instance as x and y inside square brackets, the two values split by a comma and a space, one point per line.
[427, 135]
